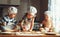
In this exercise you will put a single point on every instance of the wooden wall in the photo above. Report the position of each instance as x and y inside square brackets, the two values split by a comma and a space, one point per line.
[41, 5]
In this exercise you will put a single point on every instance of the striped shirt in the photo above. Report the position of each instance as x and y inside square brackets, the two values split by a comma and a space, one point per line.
[9, 23]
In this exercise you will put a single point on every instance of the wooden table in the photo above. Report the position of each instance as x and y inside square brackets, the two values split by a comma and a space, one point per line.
[29, 36]
[33, 35]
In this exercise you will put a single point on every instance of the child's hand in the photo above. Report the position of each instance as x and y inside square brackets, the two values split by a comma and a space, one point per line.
[41, 29]
[3, 24]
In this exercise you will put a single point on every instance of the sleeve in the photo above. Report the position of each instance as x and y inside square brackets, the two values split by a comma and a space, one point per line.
[2, 20]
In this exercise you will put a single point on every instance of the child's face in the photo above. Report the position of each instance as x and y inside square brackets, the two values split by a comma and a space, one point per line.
[12, 15]
[46, 17]
[29, 16]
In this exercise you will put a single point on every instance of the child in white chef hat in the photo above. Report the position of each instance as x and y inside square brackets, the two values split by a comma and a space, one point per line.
[8, 23]
[27, 22]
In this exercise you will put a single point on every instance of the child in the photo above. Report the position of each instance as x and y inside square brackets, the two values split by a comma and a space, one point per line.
[27, 22]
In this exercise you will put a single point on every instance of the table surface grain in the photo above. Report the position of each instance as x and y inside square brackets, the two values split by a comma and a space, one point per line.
[29, 36]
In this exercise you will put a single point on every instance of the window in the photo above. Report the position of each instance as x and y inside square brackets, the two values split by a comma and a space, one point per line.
[54, 8]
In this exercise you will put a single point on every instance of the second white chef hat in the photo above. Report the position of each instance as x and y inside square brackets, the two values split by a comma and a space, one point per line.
[32, 10]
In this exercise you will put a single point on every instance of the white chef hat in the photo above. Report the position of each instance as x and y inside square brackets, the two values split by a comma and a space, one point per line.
[47, 13]
[33, 10]
[12, 10]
